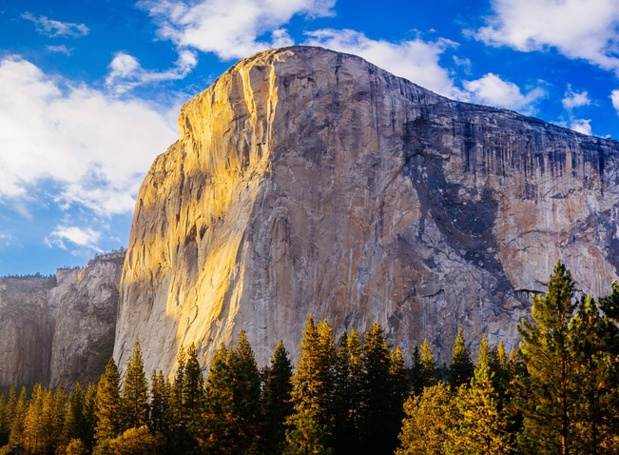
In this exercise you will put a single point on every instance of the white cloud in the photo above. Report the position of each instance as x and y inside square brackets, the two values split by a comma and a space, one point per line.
[82, 237]
[493, 91]
[614, 96]
[416, 60]
[127, 73]
[94, 149]
[230, 28]
[56, 29]
[581, 125]
[578, 29]
[573, 99]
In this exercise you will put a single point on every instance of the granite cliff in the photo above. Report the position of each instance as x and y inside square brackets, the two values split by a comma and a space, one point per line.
[307, 181]
[59, 329]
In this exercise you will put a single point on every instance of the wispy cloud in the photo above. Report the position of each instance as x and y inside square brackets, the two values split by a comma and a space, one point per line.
[93, 147]
[614, 97]
[492, 90]
[54, 29]
[578, 29]
[86, 238]
[127, 73]
[416, 60]
[60, 49]
[230, 28]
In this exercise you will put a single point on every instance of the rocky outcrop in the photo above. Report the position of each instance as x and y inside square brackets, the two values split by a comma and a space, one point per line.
[59, 329]
[26, 329]
[85, 303]
[311, 182]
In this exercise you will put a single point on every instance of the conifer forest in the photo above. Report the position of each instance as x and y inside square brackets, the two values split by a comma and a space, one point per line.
[556, 394]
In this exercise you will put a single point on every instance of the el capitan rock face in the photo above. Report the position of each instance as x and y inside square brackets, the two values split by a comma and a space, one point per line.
[311, 182]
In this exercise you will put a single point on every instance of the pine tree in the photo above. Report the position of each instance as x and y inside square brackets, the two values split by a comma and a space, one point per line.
[500, 371]
[33, 429]
[348, 397]
[16, 437]
[482, 427]
[277, 404]
[461, 367]
[306, 436]
[193, 384]
[108, 405]
[424, 373]
[379, 433]
[160, 418]
[6, 418]
[90, 419]
[314, 379]
[596, 414]
[231, 417]
[134, 396]
[548, 395]
[428, 422]
[75, 423]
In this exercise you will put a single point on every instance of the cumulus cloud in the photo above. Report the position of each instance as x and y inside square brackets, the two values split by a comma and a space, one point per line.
[416, 60]
[578, 29]
[573, 99]
[92, 148]
[230, 28]
[581, 126]
[127, 73]
[54, 29]
[86, 238]
[494, 91]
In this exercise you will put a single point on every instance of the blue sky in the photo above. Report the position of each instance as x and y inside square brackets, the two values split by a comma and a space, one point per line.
[90, 90]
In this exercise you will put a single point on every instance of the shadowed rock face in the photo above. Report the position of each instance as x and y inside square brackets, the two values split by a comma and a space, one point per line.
[59, 329]
[311, 182]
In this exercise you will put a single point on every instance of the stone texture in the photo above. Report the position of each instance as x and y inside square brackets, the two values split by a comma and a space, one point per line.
[85, 303]
[59, 329]
[311, 182]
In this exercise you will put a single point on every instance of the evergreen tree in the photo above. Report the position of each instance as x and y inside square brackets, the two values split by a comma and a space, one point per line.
[6, 418]
[277, 404]
[134, 396]
[306, 436]
[90, 419]
[16, 436]
[192, 384]
[75, 423]
[108, 405]
[424, 372]
[597, 412]
[160, 418]
[231, 417]
[378, 432]
[32, 433]
[59, 416]
[428, 422]
[500, 371]
[461, 367]
[482, 427]
[548, 395]
[179, 438]
[314, 379]
[348, 395]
